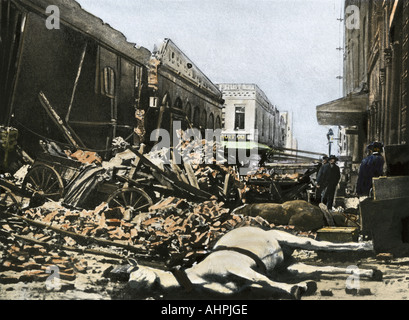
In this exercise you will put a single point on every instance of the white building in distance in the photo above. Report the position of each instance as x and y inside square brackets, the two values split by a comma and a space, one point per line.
[248, 115]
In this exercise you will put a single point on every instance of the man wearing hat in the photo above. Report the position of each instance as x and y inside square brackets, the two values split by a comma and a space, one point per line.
[371, 167]
[364, 183]
[330, 179]
[320, 183]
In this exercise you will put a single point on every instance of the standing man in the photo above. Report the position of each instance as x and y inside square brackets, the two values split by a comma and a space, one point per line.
[371, 167]
[364, 183]
[331, 178]
[320, 183]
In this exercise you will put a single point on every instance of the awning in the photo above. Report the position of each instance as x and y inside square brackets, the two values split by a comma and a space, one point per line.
[246, 145]
[348, 111]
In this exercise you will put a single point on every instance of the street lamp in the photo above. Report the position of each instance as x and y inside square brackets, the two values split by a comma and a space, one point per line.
[330, 136]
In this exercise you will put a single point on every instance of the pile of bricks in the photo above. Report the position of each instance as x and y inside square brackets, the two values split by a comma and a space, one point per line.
[23, 262]
[172, 228]
[211, 177]
[103, 223]
[186, 230]
[30, 261]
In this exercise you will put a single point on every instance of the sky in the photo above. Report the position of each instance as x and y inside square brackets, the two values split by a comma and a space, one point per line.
[287, 47]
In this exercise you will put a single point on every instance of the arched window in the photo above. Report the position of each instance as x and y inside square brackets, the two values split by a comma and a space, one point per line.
[218, 124]
[189, 111]
[203, 119]
[178, 104]
[196, 118]
[210, 124]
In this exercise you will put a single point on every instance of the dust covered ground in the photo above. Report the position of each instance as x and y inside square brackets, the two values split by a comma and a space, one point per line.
[394, 286]
[93, 285]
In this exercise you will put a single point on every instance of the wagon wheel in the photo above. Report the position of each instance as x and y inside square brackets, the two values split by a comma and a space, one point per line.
[132, 199]
[44, 181]
[8, 201]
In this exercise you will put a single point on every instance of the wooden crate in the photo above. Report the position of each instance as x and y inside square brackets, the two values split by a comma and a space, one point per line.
[338, 235]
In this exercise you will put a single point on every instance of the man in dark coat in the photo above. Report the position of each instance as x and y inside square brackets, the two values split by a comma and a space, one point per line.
[320, 186]
[330, 178]
[371, 167]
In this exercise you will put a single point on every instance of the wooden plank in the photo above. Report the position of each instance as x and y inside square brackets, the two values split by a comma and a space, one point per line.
[226, 186]
[191, 175]
[171, 177]
[134, 168]
[181, 176]
[137, 162]
[79, 237]
[57, 120]
[276, 191]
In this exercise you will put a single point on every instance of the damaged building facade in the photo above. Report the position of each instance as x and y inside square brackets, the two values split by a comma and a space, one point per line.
[82, 85]
[250, 116]
[89, 75]
[181, 92]
[374, 108]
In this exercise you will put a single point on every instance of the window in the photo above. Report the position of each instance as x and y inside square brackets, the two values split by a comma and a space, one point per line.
[189, 111]
[196, 118]
[179, 104]
[218, 123]
[211, 122]
[108, 84]
[240, 117]
[203, 119]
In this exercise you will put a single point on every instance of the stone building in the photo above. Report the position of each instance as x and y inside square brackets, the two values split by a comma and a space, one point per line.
[376, 71]
[100, 85]
[181, 92]
[291, 142]
[250, 116]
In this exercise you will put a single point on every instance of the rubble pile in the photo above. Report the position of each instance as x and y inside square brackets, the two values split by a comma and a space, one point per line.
[174, 232]
[197, 163]
[34, 263]
[172, 228]
[193, 204]
[28, 258]
[187, 229]
[265, 185]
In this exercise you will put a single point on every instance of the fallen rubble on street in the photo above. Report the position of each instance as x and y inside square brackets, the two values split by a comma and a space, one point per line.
[74, 217]
[86, 245]
[173, 231]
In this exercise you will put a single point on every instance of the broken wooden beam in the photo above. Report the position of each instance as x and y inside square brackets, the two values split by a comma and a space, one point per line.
[57, 120]
[172, 178]
[191, 175]
[80, 237]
